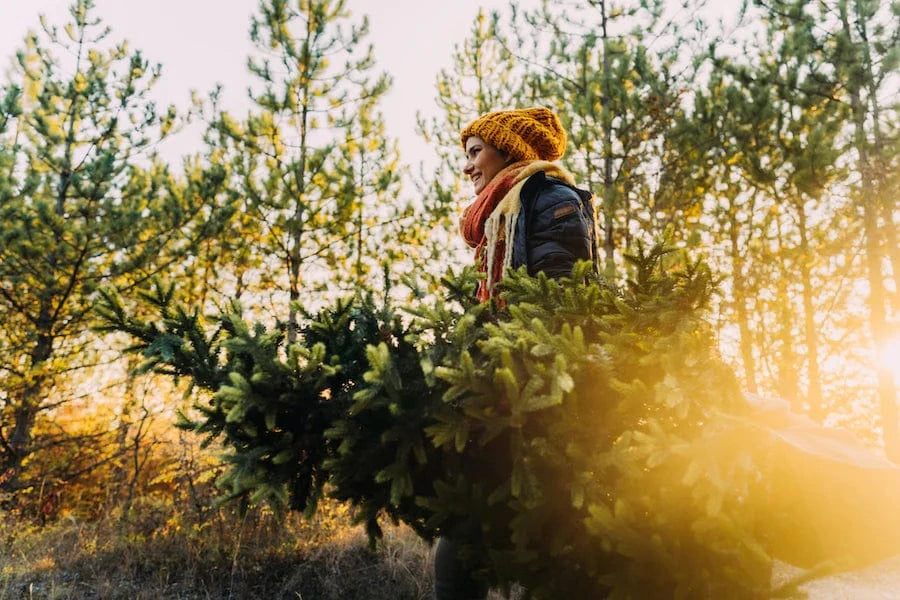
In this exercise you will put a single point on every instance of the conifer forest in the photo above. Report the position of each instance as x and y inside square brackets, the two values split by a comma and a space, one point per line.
[258, 369]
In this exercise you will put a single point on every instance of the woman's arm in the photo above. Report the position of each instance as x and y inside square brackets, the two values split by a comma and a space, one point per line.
[559, 230]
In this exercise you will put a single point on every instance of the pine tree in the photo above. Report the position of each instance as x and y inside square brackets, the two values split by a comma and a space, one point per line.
[483, 76]
[708, 138]
[574, 440]
[371, 211]
[781, 140]
[84, 203]
[865, 53]
[813, 102]
[611, 70]
[310, 160]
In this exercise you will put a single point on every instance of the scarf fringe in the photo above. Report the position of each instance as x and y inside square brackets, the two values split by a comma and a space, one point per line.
[500, 225]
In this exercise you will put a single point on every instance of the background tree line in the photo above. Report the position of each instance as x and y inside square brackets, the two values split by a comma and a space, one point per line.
[770, 147]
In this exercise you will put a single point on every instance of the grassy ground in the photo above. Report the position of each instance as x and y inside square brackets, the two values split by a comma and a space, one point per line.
[156, 552]
[153, 553]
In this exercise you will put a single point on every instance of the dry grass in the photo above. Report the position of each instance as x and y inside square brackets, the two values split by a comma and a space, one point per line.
[156, 553]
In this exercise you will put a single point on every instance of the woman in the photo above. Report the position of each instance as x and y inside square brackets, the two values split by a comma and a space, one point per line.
[527, 212]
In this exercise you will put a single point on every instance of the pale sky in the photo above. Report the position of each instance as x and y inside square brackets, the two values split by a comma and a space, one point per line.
[203, 42]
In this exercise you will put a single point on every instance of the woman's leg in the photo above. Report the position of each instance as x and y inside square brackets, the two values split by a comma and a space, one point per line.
[451, 580]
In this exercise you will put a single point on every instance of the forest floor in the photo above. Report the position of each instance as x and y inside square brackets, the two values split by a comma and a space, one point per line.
[154, 553]
[880, 581]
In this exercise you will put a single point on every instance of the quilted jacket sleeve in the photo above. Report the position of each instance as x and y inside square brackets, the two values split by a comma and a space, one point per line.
[559, 229]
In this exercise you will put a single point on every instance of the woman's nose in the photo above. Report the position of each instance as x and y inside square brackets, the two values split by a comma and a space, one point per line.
[468, 168]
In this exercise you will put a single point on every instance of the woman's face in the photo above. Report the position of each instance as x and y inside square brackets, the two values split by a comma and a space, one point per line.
[483, 161]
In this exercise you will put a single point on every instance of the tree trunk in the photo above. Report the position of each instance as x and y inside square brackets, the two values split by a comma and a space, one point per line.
[878, 326]
[26, 410]
[787, 362]
[740, 303]
[609, 207]
[888, 203]
[880, 167]
[874, 255]
[814, 389]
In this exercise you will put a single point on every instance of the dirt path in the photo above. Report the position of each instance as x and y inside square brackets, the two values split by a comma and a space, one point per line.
[880, 581]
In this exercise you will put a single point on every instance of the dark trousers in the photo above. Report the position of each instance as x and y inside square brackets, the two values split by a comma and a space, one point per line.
[452, 581]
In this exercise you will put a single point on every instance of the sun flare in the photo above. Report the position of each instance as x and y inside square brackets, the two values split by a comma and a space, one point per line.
[889, 357]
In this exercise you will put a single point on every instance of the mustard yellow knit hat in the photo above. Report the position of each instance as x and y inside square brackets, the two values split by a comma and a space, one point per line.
[526, 133]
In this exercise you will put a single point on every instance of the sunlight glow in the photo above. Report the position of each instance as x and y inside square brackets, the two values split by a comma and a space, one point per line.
[889, 357]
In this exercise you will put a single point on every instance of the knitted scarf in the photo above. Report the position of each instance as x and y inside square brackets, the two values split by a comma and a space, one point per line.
[489, 223]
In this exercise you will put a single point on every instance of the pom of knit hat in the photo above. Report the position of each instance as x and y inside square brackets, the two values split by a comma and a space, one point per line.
[526, 133]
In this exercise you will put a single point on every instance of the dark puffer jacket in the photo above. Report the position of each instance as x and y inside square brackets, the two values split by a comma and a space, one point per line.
[555, 227]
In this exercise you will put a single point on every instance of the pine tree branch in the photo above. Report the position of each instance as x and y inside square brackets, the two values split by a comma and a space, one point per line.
[351, 234]
[17, 306]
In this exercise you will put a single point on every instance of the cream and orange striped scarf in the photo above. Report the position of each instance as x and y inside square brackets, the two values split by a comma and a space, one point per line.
[489, 223]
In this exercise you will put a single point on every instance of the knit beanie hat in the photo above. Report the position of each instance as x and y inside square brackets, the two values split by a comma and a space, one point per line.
[526, 133]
